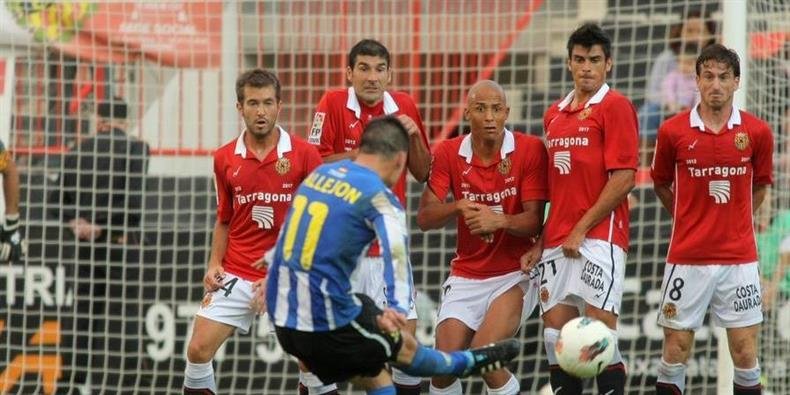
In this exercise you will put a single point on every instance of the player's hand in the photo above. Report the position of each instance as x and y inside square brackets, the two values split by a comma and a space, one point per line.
[263, 262]
[390, 320]
[481, 220]
[531, 258]
[768, 294]
[14, 247]
[258, 302]
[409, 124]
[212, 281]
[570, 248]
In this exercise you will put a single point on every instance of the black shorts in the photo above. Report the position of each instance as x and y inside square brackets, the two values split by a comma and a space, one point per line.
[357, 349]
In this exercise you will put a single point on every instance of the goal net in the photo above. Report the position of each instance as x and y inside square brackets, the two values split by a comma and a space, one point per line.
[114, 314]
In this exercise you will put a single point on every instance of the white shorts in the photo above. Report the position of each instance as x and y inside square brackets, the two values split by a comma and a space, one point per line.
[368, 279]
[595, 279]
[230, 304]
[732, 291]
[468, 300]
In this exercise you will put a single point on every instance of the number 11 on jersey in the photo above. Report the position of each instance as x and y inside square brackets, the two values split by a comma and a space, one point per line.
[318, 212]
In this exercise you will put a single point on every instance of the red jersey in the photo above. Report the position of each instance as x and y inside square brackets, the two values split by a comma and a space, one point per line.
[340, 119]
[253, 197]
[519, 175]
[584, 146]
[713, 176]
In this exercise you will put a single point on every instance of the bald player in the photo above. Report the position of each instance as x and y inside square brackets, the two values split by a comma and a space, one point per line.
[498, 182]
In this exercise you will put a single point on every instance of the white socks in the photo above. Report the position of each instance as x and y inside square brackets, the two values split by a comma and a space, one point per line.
[674, 373]
[454, 389]
[199, 376]
[512, 387]
[747, 377]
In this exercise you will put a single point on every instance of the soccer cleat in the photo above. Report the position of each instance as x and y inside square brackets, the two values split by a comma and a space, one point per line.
[493, 356]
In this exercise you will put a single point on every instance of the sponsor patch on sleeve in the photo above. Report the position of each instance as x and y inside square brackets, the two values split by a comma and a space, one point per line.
[317, 128]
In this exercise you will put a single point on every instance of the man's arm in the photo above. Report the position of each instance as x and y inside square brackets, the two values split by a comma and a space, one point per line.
[11, 187]
[665, 195]
[391, 231]
[419, 154]
[620, 182]
[758, 195]
[527, 223]
[219, 243]
[434, 214]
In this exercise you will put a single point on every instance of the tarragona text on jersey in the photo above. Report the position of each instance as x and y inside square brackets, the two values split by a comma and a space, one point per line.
[712, 175]
[336, 214]
[253, 196]
[516, 176]
[585, 144]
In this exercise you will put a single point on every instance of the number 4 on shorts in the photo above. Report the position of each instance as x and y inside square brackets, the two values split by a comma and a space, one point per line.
[228, 286]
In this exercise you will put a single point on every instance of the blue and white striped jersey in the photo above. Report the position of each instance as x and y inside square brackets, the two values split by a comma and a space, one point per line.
[337, 212]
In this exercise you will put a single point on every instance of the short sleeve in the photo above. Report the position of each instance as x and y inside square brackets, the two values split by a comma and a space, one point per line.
[621, 136]
[534, 179]
[663, 168]
[439, 178]
[762, 156]
[224, 202]
[322, 133]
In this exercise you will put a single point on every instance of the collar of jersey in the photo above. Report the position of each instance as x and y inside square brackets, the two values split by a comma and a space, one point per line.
[508, 146]
[597, 97]
[283, 144]
[353, 103]
[696, 121]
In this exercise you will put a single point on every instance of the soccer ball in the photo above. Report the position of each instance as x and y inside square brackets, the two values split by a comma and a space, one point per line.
[585, 347]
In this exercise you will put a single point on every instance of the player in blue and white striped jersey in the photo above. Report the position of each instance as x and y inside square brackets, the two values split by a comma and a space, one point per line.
[337, 212]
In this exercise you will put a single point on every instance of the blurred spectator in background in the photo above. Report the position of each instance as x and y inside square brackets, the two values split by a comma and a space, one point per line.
[679, 88]
[774, 248]
[694, 29]
[99, 199]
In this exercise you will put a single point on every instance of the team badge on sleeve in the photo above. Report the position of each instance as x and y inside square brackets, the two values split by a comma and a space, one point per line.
[316, 129]
[741, 141]
[282, 166]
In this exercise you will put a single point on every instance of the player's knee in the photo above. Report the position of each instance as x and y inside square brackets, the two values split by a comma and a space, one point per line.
[676, 349]
[199, 352]
[744, 355]
[441, 382]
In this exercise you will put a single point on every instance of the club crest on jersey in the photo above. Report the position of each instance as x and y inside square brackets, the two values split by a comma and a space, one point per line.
[544, 295]
[282, 166]
[504, 166]
[206, 300]
[584, 113]
[669, 310]
[741, 141]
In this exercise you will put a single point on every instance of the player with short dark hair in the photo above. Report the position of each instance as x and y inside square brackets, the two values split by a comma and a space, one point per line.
[592, 141]
[711, 170]
[337, 334]
[256, 176]
[339, 120]
[498, 182]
